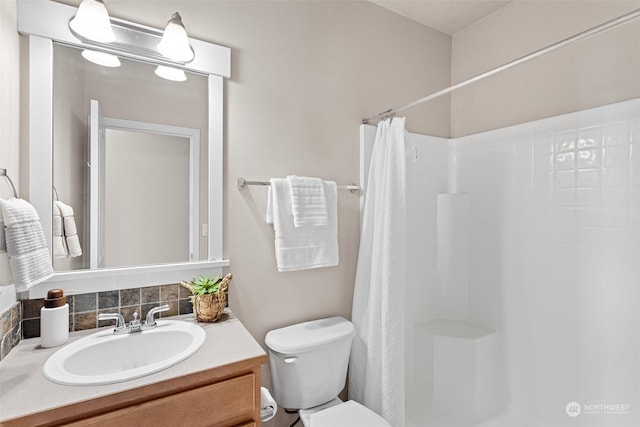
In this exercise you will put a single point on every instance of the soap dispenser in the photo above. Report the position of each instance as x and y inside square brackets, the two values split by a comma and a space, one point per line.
[54, 319]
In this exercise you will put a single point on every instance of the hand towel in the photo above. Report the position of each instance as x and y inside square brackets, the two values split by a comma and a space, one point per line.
[3, 240]
[5, 269]
[305, 247]
[69, 228]
[59, 247]
[308, 201]
[29, 256]
[269, 206]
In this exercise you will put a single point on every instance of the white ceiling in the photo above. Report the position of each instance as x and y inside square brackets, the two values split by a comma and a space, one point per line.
[448, 16]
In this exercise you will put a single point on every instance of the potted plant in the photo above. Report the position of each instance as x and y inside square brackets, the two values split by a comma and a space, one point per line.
[209, 296]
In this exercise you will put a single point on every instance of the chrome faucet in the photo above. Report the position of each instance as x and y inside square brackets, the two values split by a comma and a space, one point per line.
[120, 324]
[150, 322]
[135, 325]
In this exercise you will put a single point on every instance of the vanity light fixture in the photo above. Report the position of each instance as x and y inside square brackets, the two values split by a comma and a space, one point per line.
[175, 43]
[92, 22]
[101, 58]
[170, 73]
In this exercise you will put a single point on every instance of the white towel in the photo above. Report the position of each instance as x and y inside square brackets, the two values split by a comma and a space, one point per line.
[5, 269]
[269, 215]
[6, 278]
[70, 231]
[303, 247]
[268, 405]
[29, 256]
[308, 202]
[3, 240]
[59, 247]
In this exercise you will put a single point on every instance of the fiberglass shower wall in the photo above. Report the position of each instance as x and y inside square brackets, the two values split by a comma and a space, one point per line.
[523, 299]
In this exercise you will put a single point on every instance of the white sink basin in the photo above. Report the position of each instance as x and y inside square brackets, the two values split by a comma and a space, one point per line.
[105, 358]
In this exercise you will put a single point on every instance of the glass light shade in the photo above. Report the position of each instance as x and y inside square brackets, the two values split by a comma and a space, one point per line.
[175, 43]
[92, 22]
[170, 73]
[101, 58]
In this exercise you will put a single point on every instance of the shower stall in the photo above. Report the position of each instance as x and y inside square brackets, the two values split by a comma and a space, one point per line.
[522, 290]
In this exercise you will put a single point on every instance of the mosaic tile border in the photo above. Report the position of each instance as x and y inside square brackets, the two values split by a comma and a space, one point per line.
[84, 308]
[10, 331]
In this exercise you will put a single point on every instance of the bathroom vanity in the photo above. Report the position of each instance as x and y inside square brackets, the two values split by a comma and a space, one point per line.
[218, 385]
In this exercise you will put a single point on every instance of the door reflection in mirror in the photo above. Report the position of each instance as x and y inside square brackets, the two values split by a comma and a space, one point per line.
[146, 176]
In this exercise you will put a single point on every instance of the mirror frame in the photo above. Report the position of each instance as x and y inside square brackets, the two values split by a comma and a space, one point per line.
[45, 21]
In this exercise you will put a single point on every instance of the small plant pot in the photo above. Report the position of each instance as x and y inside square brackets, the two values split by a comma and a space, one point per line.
[209, 307]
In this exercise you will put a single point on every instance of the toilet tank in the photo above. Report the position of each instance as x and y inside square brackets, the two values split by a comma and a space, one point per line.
[309, 361]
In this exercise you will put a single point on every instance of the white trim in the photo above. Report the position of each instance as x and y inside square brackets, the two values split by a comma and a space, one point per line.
[44, 21]
[108, 279]
[194, 195]
[41, 130]
[216, 164]
[50, 19]
[367, 139]
[95, 184]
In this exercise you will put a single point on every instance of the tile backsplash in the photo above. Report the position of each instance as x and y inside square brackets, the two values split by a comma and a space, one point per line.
[9, 329]
[84, 308]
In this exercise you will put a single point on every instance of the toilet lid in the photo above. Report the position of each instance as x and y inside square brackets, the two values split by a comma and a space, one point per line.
[347, 414]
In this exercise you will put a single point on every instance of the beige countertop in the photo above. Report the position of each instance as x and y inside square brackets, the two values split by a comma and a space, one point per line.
[24, 390]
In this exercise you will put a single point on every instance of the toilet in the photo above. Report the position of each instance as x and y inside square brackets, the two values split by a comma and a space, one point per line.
[309, 369]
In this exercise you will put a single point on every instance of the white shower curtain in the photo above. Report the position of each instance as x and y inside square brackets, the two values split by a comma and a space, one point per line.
[376, 367]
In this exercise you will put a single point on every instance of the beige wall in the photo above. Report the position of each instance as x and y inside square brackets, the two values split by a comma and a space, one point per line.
[597, 71]
[303, 76]
[9, 103]
[9, 87]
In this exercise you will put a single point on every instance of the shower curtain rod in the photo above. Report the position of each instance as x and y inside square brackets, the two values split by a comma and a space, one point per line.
[577, 37]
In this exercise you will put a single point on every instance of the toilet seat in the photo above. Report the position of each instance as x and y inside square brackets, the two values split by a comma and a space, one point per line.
[347, 414]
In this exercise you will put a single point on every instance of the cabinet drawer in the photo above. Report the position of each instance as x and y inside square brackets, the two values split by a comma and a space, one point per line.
[226, 403]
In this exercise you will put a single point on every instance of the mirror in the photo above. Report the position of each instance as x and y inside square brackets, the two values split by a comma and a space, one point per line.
[141, 206]
[134, 101]
[144, 208]
[146, 198]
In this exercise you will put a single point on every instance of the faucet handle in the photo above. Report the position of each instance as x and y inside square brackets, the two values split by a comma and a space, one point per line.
[134, 325]
[113, 316]
[135, 317]
[151, 321]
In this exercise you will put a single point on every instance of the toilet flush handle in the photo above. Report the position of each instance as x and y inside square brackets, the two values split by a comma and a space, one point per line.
[290, 359]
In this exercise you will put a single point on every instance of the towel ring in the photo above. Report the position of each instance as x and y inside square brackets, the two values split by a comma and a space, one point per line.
[3, 172]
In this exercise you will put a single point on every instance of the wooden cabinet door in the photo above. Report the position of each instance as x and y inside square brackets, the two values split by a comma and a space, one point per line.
[224, 404]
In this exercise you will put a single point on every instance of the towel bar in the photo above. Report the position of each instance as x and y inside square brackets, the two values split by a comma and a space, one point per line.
[3, 172]
[243, 183]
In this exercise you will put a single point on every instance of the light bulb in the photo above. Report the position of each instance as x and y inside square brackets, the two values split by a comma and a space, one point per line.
[170, 73]
[175, 43]
[92, 22]
[101, 58]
